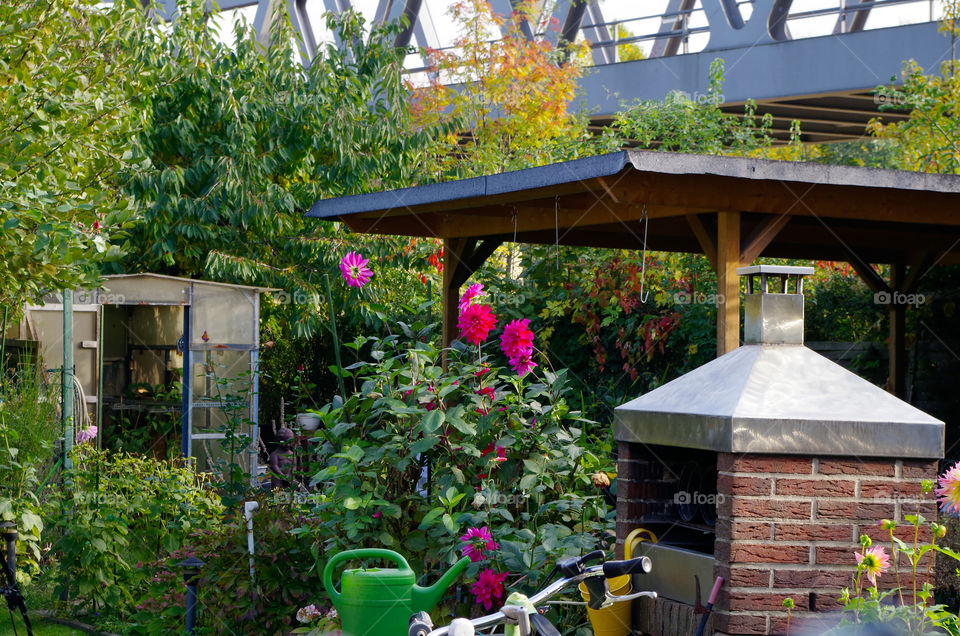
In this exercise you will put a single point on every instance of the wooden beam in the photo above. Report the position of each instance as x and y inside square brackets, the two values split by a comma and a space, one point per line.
[869, 276]
[897, 381]
[706, 239]
[452, 252]
[762, 236]
[728, 283]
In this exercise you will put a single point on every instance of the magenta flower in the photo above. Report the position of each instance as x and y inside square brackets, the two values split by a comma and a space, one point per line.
[501, 454]
[477, 541]
[473, 291]
[522, 363]
[355, 270]
[487, 391]
[489, 587]
[475, 323]
[948, 491]
[517, 338]
[87, 434]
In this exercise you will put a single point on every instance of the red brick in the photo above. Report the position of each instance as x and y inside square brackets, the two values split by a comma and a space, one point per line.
[743, 577]
[817, 487]
[750, 530]
[761, 553]
[855, 467]
[918, 470]
[853, 510]
[907, 491]
[813, 532]
[740, 623]
[730, 463]
[767, 508]
[743, 485]
[826, 555]
[761, 601]
[820, 578]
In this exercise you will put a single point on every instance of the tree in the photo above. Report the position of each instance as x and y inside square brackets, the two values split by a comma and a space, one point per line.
[506, 102]
[242, 141]
[72, 76]
[929, 140]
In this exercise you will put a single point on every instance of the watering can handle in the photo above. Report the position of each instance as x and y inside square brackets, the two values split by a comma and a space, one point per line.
[362, 553]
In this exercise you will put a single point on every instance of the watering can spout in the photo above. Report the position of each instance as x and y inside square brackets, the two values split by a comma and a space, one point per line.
[425, 598]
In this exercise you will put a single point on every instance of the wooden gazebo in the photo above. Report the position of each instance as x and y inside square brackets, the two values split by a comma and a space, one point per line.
[731, 209]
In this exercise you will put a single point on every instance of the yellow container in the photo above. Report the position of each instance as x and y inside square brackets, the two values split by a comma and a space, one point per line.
[616, 620]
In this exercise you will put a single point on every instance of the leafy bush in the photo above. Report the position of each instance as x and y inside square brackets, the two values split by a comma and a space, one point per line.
[418, 455]
[230, 602]
[28, 427]
[115, 511]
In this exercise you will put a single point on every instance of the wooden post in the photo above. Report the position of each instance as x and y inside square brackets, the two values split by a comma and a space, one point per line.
[451, 288]
[728, 283]
[897, 383]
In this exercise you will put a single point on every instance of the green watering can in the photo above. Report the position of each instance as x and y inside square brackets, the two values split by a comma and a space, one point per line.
[380, 601]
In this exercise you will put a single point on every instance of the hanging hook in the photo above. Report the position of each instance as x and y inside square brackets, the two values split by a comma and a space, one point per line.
[643, 263]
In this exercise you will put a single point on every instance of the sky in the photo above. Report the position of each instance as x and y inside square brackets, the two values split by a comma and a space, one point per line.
[644, 20]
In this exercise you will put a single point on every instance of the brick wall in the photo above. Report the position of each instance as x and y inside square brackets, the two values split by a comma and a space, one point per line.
[788, 527]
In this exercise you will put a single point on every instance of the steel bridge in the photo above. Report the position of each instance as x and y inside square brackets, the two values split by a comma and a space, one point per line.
[816, 61]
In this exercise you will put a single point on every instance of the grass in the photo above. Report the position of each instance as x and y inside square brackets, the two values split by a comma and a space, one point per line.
[40, 627]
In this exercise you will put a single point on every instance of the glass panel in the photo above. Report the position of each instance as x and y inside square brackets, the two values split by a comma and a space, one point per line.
[213, 457]
[221, 375]
[222, 316]
[213, 420]
[135, 290]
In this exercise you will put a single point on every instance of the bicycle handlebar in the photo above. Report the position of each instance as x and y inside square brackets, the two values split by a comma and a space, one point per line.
[639, 565]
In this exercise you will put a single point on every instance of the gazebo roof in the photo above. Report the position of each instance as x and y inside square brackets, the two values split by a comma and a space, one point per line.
[788, 209]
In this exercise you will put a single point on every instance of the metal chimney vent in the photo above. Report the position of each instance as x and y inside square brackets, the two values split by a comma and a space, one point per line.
[773, 318]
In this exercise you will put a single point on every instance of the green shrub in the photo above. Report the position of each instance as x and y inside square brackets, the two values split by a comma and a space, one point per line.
[116, 511]
[417, 455]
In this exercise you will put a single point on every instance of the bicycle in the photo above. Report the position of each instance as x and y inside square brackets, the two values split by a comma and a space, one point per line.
[11, 591]
[522, 613]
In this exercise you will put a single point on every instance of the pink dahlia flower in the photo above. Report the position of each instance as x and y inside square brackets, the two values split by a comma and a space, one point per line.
[874, 562]
[477, 541]
[473, 291]
[948, 491]
[475, 323]
[489, 587]
[517, 338]
[523, 363]
[355, 270]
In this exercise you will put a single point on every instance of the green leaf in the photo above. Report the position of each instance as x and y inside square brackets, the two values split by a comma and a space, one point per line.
[430, 517]
[432, 421]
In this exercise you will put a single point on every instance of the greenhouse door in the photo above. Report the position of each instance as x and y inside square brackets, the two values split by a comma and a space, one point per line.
[220, 392]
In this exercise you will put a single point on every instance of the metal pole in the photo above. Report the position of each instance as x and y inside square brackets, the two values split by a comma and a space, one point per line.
[9, 531]
[67, 389]
[191, 570]
[99, 377]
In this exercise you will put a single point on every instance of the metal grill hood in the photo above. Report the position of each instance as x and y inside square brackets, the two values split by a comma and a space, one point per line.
[774, 395]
